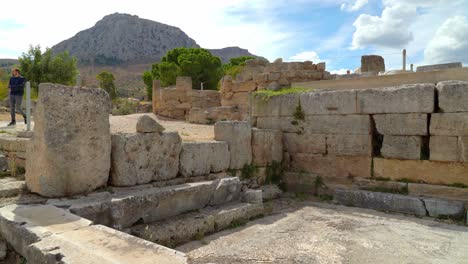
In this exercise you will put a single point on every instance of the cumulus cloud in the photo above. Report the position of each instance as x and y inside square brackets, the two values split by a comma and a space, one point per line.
[306, 56]
[353, 5]
[449, 43]
[391, 29]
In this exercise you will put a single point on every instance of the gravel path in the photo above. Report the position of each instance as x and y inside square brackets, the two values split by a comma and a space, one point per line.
[188, 132]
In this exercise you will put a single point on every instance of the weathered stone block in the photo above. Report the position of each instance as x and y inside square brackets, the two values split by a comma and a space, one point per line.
[267, 146]
[349, 145]
[438, 67]
[372, 63]
[215, 114]
[239, 137]
[332, 166]
[71, 149]
[453, 96]
[270, 192]
[438, 191]
[201, 158]
[147, 124]
[401, 124]
[100, 245]
[338, 124]
[329, 102]
[305, 143]
[402, 147]
[451, 124]
[414, 98]
[252, 196]
[226, 190]
[285, 124]
[432, 172]
[288, 104]
[22, 225]
[444, 148]
[142, 158]
[386, 202]
[444, 208]
[266, 108]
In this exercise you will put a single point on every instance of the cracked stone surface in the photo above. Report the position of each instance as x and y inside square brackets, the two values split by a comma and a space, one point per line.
[308, 232]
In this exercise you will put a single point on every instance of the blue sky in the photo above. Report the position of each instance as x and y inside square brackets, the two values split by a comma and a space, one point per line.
[335, 31]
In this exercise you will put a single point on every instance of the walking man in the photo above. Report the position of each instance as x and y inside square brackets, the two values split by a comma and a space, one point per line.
[16, 87]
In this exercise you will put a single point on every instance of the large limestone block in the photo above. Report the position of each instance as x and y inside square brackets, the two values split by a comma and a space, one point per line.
[338, 124]
[100, 245]
[305, 143]
[201, 158]
[372, 63]
[386, 202]
[401, 124]
[414, 98]
[142, 158]
[349, 145]
[267, 146]
[332, 166]
[402, 147]
[449, 124]
[285, 124]
[289, 104]
[433, 172]
[453, 96]
[444, 148]
[438, 191]
[444, 208]
[22, 225]
[71, 149]
[266, 107]
[329, 102]
[239, 137]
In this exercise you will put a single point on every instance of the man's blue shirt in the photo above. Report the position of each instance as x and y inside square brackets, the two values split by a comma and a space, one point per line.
[16, 85]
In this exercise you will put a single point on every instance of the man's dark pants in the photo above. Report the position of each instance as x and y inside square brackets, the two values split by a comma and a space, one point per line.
[15, 104]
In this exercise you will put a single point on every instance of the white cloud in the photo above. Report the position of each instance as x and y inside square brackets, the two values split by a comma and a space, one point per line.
[389, 30]
[354, 5]
[306, 56]
[341, 71]
[450, 42]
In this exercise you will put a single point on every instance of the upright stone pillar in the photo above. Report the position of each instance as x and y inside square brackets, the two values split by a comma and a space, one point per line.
[156, 91]
[71, 148]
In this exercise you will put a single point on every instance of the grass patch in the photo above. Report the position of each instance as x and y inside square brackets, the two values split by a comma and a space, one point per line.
[302, 196]
[232, 172]
[458, 185]
[237, 223]
[325, 197]
[383, 179]
[123, 107]
[199, 236]
[274, 172]
[265, 95]
[248, 171]
[406, 180]
[299, 112]
[319, 184]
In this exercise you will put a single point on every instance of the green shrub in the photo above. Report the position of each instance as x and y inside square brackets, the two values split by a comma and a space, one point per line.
[265, 95]
[274, 172]
[123, 107]
[248, 171]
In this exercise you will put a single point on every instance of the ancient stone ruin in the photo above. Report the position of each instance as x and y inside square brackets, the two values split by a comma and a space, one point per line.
[232, 101]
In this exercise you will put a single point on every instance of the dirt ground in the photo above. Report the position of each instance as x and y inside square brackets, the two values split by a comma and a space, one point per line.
[309, 232]
[188, 132]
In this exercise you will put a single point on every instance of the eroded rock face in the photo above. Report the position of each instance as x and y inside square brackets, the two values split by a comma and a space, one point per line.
[71, 149]
[201, 158]
[145, 157]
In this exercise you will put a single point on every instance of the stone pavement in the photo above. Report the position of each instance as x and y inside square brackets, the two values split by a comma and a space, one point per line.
[308, 232]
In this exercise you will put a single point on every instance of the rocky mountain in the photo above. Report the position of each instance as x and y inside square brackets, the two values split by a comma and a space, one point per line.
[124, 39]
[230, 52]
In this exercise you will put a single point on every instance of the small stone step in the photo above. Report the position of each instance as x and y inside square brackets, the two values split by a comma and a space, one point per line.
[184, 228]
[389, 202]
[23, 225]
[128, 206]
[100, 245]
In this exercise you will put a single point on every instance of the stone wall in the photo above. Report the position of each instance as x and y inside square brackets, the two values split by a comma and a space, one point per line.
[412, 132]
[259, 74]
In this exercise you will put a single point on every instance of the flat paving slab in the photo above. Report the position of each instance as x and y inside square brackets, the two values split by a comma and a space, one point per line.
[308, 232]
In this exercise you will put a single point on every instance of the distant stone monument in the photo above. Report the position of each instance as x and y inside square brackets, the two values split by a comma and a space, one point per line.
[439, 67]
[71, 149]
[372, 63]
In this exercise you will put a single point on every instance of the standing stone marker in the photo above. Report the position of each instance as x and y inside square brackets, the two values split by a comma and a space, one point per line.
[71, 148]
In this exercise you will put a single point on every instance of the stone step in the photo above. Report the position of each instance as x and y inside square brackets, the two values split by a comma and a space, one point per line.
[145, 204]
[397, 203]
[177, 230]
[49, 235]
[10, 187]
[100, 245]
